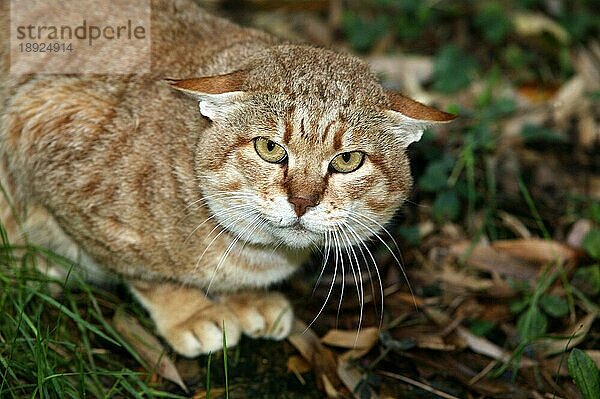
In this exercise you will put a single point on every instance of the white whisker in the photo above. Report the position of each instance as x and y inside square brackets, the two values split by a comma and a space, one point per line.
[357, 281]
[363, 244]
[229, 249]
[335, 269]
[220, 214]
[374, 233]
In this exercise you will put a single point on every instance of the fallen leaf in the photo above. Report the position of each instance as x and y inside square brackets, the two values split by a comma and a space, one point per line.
[148, 346]
[458, 278]
[298, 365]
[366, 338]
[329, 388]
[351, 377]
[487, 258]
[514, 224]
[534, 23]
[573, 337]
[319, 357]
[487, 348]
[568, 100]
[578, 232]
[536, 250]
[433, 342]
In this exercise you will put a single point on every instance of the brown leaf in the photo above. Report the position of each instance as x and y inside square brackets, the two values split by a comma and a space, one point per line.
[536, 250]
[365, 339]
[148, 347]
[433, 342]
[458, 278]
[304, 340]
[487, 258]
[322, 359]
[514, 224]
[298, 365]
[329, 388]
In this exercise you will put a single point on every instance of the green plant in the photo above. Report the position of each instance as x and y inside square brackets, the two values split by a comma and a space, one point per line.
[585, 373]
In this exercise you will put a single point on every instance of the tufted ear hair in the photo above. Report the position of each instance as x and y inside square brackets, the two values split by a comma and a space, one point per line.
[217, 95]
[410, 118]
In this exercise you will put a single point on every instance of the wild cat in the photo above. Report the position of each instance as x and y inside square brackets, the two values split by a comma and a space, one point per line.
[201, 190]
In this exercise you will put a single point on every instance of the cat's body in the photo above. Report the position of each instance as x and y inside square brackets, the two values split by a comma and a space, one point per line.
[124, 174]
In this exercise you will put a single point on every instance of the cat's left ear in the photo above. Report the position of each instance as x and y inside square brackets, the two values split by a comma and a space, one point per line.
[217, 95]
[410, 118]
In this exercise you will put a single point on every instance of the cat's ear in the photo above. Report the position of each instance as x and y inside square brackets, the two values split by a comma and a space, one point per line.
[410, 118]
[217, 95]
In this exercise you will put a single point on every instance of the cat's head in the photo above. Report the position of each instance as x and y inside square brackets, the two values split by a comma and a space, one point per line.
[305, 147]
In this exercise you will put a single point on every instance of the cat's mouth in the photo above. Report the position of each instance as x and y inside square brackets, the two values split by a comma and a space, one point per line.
[297, 233]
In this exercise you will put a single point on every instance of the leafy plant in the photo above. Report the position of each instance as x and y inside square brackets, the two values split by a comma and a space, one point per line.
[534, 308]
[453, 69]
[591, 243]
[585, 373]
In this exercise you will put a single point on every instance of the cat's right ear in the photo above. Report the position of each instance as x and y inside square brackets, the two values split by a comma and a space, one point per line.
[410, 118]
[217, 95]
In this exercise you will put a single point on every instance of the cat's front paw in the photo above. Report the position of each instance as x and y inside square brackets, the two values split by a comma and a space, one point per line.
[203, 331]
[262, 315]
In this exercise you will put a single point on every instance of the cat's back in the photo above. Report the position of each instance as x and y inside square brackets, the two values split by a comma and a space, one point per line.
[61, 119]
[102, 151]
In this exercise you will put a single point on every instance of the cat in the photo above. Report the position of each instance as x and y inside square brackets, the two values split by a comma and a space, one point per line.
[209, 178]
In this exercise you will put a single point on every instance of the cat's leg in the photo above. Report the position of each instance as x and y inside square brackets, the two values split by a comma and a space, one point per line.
[262, 314]
[19, 225]
[190, 322]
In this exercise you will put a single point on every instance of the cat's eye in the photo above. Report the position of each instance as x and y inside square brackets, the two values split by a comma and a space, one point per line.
[347, 162]
[269, 150]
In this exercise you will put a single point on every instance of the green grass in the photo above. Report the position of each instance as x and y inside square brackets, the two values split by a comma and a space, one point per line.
[65, 346]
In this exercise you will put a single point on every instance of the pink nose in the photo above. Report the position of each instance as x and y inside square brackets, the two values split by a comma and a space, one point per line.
[301, 204]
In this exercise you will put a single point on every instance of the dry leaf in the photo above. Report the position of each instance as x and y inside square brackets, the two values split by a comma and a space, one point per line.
[433, 342]
[578, 232]
[148, 346]
[484, 257]
[353, 354]
[351, 377]
[514, 224]
[304, 340]
[329, 388]
[589, 130]
[458, 278]
[568, 100]
[487, 348]
[298, 365]
[536, 250]
[366, 338]
[533, 24]
[572, 338]
[310, 347]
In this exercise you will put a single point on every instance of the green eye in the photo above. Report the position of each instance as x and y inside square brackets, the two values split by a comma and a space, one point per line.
[347, 162]
[269, 150]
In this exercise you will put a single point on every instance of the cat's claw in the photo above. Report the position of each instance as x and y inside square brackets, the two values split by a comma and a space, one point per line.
[262, 315]
[203, 332]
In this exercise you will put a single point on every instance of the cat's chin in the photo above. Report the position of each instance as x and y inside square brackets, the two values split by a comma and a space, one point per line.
[300, 239]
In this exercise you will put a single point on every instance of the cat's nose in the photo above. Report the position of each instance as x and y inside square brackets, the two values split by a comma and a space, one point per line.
[302, 203]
